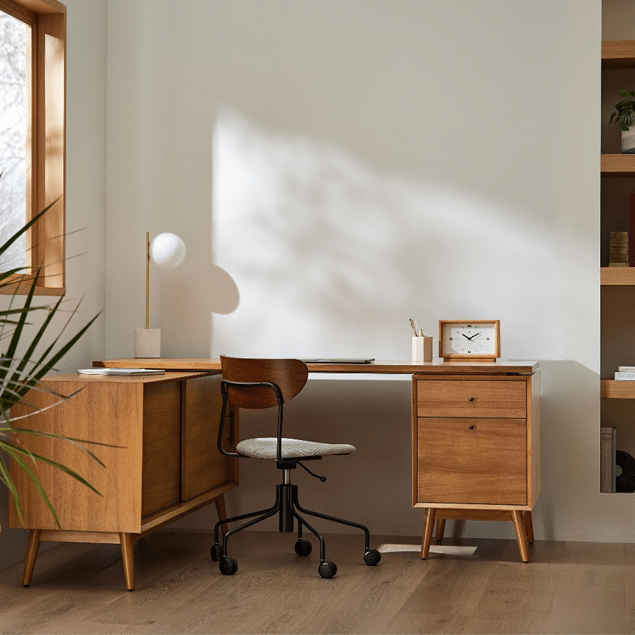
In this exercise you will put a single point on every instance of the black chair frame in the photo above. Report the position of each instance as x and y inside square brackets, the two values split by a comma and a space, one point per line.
[286, 504]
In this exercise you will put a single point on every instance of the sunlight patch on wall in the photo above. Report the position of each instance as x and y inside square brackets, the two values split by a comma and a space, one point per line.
[331, 258]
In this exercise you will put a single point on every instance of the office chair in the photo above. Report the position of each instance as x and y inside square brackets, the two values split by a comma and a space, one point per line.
[269, 383]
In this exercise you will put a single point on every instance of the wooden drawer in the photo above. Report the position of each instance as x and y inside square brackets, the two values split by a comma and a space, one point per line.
[472, 461]
[471, 398]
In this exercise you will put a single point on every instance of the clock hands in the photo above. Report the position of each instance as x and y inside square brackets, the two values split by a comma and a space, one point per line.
[470, 338]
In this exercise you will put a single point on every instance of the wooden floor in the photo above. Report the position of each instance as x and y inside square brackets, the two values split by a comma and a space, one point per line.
[567, 588]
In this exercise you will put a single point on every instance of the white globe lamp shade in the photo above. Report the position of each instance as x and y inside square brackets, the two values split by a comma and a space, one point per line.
[167, 251]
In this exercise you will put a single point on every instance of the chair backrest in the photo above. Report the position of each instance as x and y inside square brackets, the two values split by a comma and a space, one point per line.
[290, 375]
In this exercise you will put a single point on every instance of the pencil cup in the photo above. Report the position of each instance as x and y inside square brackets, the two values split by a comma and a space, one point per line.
[422, 349]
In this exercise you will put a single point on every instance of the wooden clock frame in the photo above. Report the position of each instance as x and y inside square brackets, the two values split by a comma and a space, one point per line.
[464, 356]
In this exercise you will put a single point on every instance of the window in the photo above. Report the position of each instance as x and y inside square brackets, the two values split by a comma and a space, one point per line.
[32, 135]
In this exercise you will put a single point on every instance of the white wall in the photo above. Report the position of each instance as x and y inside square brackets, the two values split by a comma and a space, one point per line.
[85, 204]
[338, 167]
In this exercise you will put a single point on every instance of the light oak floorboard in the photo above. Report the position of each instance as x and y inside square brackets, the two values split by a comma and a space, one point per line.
[566, 588]
[590, 592]
[629, 588]
[518, 596]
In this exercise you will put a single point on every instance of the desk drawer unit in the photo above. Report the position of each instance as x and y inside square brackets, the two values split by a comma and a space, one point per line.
[475, 445]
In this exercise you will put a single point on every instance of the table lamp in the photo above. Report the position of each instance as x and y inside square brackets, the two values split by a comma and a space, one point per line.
[166, 251]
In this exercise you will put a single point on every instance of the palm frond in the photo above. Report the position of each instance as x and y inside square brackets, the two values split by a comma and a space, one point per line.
[13, 451]
[71, 440]
[31, 474]
[30, 354]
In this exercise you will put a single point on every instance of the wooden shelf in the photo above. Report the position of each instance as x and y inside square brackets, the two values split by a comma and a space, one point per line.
[617, 276]
[617, 389]
[618, 165]
[618, 54]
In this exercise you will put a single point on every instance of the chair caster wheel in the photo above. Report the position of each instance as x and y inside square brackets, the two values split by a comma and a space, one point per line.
[372, 557]
[303, 547]
[216, 552]
[228, 566]
[327, 569]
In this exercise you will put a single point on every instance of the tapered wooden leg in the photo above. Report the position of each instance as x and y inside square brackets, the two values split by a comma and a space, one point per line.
[222, 512]
[428, 526]
[31, 556]
[529, 527]
[440, 529]
[127, 557]
[521, 536]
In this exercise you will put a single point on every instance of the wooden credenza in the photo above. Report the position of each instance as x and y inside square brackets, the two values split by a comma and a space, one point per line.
[476, 449]
[160, 456]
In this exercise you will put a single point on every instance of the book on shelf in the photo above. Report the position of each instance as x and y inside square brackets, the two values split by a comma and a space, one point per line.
[624, 375]
[631, 230]
[608, 471]
[626, 369]
[126, 372]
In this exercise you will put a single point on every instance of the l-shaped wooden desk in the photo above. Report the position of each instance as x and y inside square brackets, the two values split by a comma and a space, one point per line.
[475, 448]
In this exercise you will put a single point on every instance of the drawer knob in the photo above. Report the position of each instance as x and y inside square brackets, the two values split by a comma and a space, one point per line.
[471, 399]
[471, 427]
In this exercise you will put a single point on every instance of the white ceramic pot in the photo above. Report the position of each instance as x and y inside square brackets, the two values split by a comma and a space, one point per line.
[628, 141]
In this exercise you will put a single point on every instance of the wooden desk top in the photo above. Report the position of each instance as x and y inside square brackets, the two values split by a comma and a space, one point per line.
[400, 367]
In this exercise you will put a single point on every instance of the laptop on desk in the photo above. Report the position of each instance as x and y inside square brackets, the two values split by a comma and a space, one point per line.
[340, 360]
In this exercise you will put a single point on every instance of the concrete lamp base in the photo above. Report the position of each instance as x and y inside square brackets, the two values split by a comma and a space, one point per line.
[147, 343]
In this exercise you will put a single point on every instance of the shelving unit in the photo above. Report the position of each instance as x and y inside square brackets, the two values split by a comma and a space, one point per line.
[618, 55]
[617, 283]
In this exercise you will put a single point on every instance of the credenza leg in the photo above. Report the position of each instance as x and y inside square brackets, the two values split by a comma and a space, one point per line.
[440, 529]
[428, 526]
[521, 536]
[222, 511]
[127, 556]
[31, 556]
[529, 527]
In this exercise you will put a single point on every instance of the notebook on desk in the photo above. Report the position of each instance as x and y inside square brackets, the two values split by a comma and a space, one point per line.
[340, 360]
[120, 371]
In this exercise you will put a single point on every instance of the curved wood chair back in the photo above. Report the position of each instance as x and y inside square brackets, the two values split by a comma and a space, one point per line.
[290, 375]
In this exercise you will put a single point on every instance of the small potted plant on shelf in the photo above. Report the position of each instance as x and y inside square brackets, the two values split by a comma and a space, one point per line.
[624, 117]
[22, 366]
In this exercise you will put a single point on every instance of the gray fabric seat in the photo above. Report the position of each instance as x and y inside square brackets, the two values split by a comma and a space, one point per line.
[266, 448]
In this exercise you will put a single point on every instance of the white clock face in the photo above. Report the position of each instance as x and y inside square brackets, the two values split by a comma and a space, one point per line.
[470, 339]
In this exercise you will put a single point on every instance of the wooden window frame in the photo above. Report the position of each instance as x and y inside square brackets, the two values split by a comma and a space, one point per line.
[46, 180]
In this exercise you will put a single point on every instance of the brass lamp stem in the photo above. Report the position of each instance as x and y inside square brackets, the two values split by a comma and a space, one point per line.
[147, 280]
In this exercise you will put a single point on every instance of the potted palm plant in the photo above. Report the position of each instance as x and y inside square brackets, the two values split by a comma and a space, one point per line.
[624, 117]
[22, 365]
